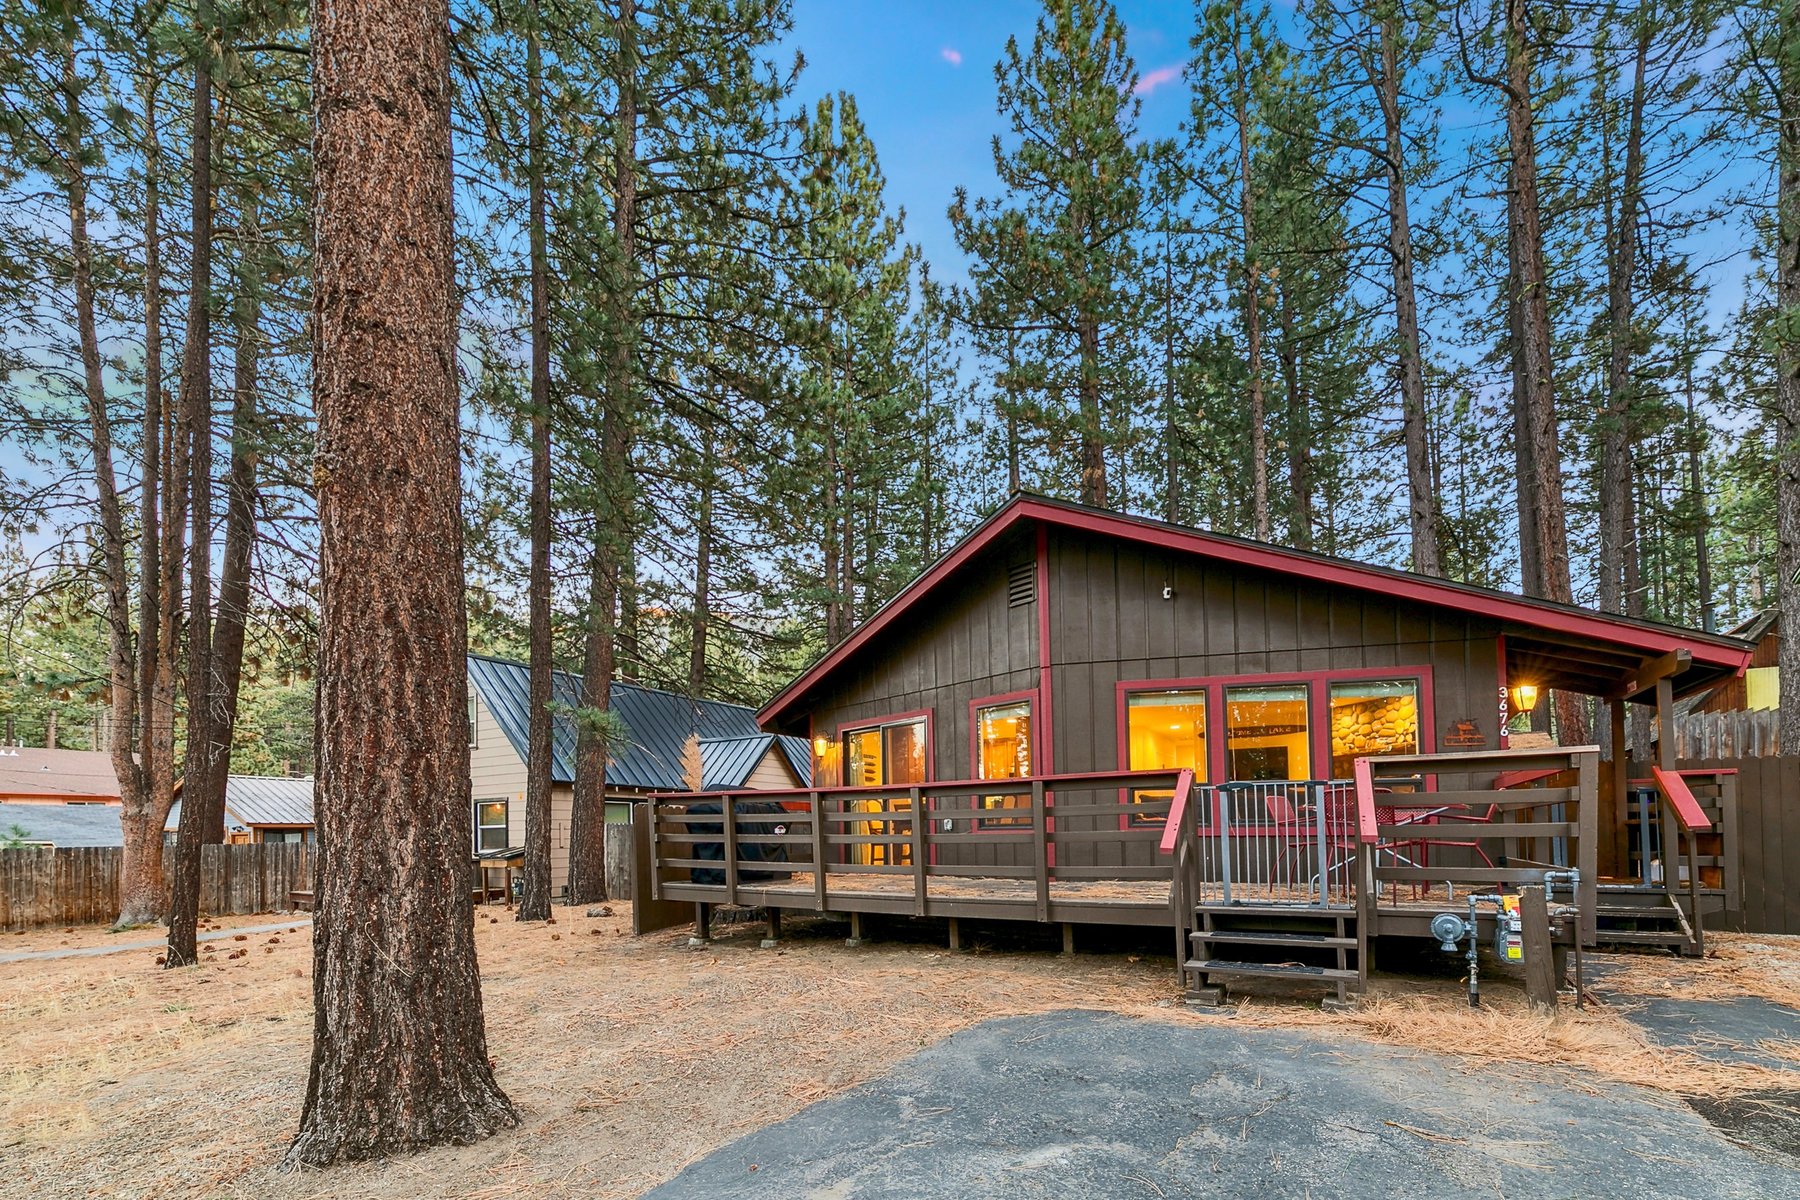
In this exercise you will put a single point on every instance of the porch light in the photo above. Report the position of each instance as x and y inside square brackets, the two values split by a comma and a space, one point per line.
[1524, 697]
[820, 746]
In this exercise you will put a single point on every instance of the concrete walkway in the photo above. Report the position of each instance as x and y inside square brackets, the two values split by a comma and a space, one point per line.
[1082, 1104]
[121, 947]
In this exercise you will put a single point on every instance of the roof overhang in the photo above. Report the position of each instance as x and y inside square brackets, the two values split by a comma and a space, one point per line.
[1572, 647]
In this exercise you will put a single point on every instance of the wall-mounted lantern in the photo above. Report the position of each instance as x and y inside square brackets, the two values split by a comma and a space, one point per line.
[1524, 697]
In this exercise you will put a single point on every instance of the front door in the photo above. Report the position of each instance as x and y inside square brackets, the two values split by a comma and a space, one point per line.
[884, 755]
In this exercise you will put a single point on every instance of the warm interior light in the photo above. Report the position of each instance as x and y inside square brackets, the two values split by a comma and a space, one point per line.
[1524, 697]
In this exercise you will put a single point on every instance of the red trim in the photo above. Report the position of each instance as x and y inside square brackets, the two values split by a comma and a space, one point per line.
[1038, 739]
[1706, 649]
[1048, 739]
[891, 719]
[1693, 817]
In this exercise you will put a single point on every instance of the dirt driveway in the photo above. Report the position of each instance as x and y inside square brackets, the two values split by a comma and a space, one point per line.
[633, 1058]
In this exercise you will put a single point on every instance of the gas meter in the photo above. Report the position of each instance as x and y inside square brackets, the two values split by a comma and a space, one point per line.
[1509, 931]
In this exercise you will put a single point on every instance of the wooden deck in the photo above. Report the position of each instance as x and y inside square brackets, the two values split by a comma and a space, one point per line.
[1412, 837]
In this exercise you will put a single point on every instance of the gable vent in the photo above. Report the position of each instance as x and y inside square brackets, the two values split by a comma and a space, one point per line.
[1021, 584]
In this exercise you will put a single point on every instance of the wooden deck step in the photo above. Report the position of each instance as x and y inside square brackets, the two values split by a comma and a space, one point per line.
[1215, 966]
[1270, 937]
[1316, 911]
[1641, 937]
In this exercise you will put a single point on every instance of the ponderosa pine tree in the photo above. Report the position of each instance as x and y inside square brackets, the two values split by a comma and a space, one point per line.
[1057, 250]
[400, 1059]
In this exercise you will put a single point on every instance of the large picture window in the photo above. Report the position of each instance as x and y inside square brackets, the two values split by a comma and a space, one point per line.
[1003, 750]
[1371, 718]
[1266, 732]
[1164, 731]
[490, 825]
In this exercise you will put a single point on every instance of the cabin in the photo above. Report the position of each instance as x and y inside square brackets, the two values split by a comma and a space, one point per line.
[1080, 717]
[734, 751]
[261, 809]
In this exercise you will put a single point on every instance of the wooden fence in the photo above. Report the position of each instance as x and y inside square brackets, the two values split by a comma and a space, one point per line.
[1711, 735]
[1768, 837]
[80, 885]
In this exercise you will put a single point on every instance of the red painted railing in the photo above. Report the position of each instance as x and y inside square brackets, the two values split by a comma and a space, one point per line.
[1687, 809]
[1184, 784]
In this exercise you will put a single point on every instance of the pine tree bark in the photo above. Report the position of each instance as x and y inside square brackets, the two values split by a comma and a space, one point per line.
[140, 816]
[233, 617]
[1617, 535]
[1787, 383]
[1421, 505]
[197, 819]
[612, 492]
[400, 1055]
[534, 896]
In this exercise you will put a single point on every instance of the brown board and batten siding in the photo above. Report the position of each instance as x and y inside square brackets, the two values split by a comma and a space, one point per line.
[974, 642]
[1110, 625]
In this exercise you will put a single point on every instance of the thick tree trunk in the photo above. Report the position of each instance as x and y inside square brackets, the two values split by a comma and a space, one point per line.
[400, 1055]
[196, 404]
[1787, 383]
[534, 896]
[1617, 540]
[1421, 502]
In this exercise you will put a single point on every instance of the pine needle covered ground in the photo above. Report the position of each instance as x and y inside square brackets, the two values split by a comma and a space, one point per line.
[632, 1057]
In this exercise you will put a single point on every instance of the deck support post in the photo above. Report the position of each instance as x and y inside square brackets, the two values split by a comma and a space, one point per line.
[1540, 966]
[955, 934]
[1069, 938]
[702, 924]
[774, 937]
[856, 931]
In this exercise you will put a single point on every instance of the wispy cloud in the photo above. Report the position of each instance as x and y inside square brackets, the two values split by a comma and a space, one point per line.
[951, 55]
[1151, 80]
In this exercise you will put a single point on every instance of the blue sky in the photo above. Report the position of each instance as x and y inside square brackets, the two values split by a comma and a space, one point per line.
[923, 75]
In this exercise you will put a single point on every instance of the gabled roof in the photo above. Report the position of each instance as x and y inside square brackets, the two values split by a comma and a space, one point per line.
[659, 723]
[64, 824]
[252, 801]
[1565, 645]
[728, 762]
[269, 800]
[57, 774]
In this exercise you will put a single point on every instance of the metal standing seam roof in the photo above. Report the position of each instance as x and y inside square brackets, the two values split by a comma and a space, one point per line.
[64, 824]
[270, 799]
[729, 762]
[659, 723]
[253, 800]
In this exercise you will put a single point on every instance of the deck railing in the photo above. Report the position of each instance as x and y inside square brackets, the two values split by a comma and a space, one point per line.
[1685, 829]
[1497, 818]
[1037, 840]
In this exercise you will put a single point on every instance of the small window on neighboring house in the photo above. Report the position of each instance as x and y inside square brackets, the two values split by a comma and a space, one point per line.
[471, 720]
[490, 825]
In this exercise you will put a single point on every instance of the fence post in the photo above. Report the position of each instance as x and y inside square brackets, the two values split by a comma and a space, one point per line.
[916, 799]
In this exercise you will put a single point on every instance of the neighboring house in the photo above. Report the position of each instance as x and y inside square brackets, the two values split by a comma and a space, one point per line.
[734, 752]
[262, 808]
[51, 824]
[1759, 688]
[33, 775]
